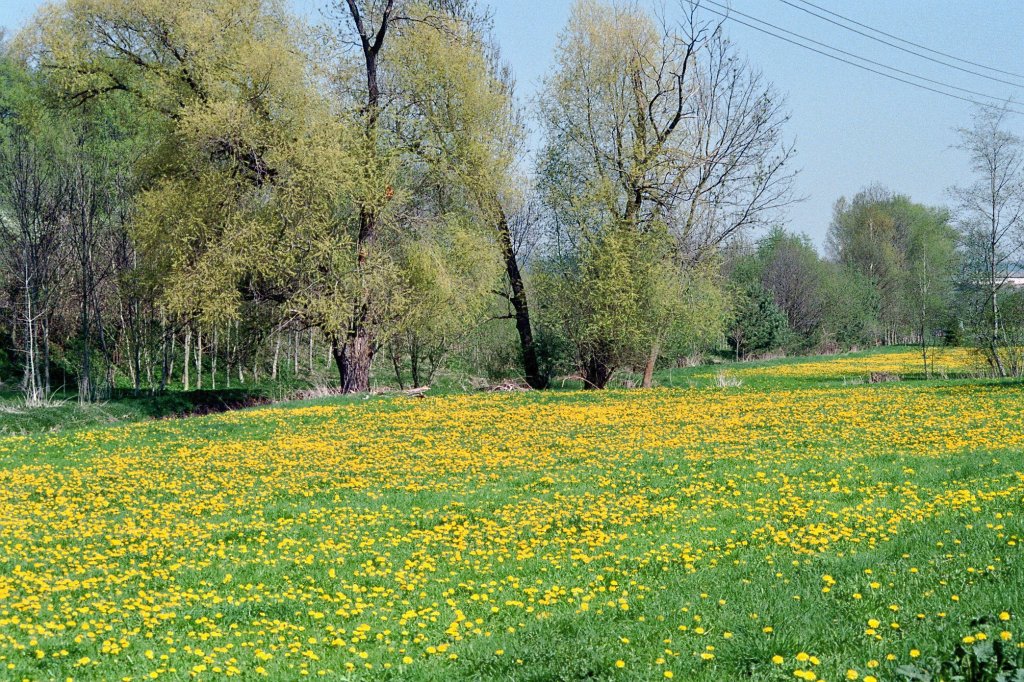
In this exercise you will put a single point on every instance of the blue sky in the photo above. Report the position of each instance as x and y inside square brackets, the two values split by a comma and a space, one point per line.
[851, 128]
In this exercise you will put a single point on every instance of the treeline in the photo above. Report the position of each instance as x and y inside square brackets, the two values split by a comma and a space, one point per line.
[898, 272]
[890, 278]
[214, 192]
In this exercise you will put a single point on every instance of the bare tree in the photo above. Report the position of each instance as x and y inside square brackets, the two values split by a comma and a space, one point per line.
[740, 175]
[991, 210]
[32, 197]
[793, 275]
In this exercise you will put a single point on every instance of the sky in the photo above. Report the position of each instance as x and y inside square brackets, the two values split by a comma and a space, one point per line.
[851, 128]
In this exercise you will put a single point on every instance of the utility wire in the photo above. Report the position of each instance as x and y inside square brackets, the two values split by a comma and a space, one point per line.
[865, 68]
[910, 42]
[899, 47]
[855, 56]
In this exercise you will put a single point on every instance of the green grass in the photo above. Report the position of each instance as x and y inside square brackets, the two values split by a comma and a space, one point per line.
[62, 411]
[776, 518]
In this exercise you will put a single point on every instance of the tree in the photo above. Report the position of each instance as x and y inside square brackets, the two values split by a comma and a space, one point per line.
[850, 307]
[456, 127]
[758, 325]
[604, 300]
[690, 313]
[355, 345]
[990, 212]
[33, 194]
[792, 272]
[268, 195]
[90, 152]
[932, 261]
[884, 237]
[517, 238]
[610, 111]
[103, 145]
[468, 134]
[657, 130]
[739, 171]
[200, 82]
[864, 236]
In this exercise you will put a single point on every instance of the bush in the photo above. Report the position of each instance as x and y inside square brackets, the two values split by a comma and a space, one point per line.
[758, 325]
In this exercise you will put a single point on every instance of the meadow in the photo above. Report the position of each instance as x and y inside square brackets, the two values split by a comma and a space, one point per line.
[798, 526]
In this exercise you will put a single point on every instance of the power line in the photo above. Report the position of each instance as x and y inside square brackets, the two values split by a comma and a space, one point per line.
[861, 66]
[910, 42]
[899, 47]
[855, 56]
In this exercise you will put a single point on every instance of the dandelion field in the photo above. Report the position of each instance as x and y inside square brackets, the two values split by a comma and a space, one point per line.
[820, 532]
[850, 368]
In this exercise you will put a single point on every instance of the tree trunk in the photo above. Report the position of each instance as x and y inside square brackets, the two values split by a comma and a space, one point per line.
[137, 333]
[31, 379]
[924, 314]
[85, 389]
[199, 359]
[277, 354]
[994, 303]
[107, 349]
[228, 357]
[174, 350]
[47, 389]
[165, 361]
[649, 367]
[310, 352]
[213, 362]
[353, 358]
[924, 345]
[396, 362]
[596, 374]
[188, 350]
[414, 361]
[354, 355]
[528, 349]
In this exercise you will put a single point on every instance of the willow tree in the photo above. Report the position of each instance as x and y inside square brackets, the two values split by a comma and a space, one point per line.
[235, 120]
[467, 135]
[613, 162]
[428, 94]
[658, 135]
[463, 135]
[276, 186]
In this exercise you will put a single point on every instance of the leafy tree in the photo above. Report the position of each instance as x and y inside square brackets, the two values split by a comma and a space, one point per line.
[932, 262]
[603, 300]
[691, 312]
[758, 325]
[350, 214]
[611, 116]
[850, 307]
[865, 236]
[466, 134]
[656, 130]
[887, 238]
